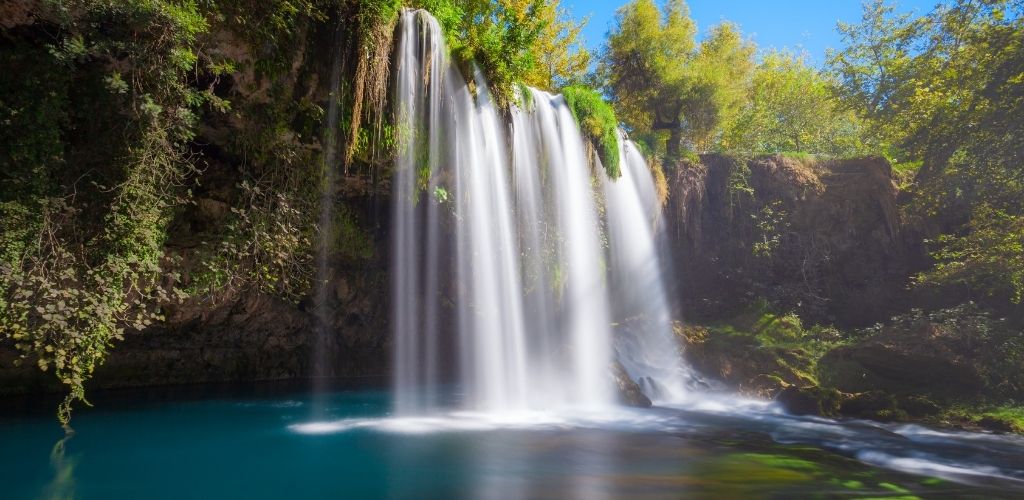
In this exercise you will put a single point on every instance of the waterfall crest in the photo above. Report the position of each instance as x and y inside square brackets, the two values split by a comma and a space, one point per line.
[502, 281]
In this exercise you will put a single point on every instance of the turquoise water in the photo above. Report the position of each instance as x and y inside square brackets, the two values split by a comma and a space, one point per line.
[345, 445]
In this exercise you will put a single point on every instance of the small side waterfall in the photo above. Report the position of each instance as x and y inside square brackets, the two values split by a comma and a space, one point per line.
[646, 347]
[320, 367]
[501, 282]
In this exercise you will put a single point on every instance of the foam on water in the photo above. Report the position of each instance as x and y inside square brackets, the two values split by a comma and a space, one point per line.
[962, 457]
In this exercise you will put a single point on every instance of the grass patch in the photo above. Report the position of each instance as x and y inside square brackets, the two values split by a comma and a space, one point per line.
[597, 121]
[800, 156]
[1013, 416]
[904, 172]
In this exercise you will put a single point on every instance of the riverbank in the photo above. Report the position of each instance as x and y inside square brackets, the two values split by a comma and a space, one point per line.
[946, 369]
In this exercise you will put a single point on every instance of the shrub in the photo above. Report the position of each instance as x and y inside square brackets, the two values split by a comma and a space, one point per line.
[596, 119]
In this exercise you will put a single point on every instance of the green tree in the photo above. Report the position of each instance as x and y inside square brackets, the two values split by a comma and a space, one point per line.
[931, 85]
[513, 41]
[947, 89]
[644, 61]
[720, 76]
[874, 66]
[791, 107]
[559, 55]
[663, 81]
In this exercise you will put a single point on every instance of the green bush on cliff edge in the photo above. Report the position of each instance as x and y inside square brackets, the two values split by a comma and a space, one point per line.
[596, 119]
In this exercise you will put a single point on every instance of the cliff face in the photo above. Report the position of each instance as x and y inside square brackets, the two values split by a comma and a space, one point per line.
[254, 199]
[823, 238]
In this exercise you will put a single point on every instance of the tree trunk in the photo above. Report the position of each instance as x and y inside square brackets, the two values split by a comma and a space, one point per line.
[674, 148]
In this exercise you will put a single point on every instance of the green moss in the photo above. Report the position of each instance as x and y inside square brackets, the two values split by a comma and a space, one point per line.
[525, 97]
[894, 488]
[783, 330]
[690, 156]
[779, 461]
[1007, 418]
[597, 121]
[775, 346]
[102, 111]
[1013, 416]
[763, 468]
[351, 241]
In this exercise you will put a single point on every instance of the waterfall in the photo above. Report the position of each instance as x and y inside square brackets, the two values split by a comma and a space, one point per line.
[646, 346]
[501, 280]
[324, 311]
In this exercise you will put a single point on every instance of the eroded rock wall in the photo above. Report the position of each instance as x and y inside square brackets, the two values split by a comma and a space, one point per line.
[823, 238]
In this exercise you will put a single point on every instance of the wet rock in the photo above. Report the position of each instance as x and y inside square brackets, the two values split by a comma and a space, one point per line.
[627, 389]
[14, 13]
[810, 400]
[249, 337]
[343, 291]
[994, 423]
[919, 406]
[874, 405]
[209, 210]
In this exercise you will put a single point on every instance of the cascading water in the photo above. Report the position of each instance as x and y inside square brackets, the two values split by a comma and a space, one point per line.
[550, 158]
[501, 218]
[320, 368]
[647, 347]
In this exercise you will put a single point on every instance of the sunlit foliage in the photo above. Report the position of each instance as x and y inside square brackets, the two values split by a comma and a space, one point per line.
[596, 119]
[791, 108]
[947, 89]
[662, 80]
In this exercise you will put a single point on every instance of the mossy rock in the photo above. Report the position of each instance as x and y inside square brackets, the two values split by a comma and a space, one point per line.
[811, 400]
[740, 357]
[874, 405]
[1000, 424]
[1004, 419]
[596, 119]
[919, 406]
[900, 365]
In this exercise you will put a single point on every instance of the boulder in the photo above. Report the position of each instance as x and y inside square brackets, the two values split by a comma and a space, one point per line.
[627, 389]
[874, 405]
[810, 400]
[902, 361]
[997, 424]
[919, 406]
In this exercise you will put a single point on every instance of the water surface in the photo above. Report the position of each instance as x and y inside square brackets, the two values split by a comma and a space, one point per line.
[346, 444]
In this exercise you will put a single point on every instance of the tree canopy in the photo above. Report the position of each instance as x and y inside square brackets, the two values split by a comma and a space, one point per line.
[946, 90]
[790, 106]
[662, 80]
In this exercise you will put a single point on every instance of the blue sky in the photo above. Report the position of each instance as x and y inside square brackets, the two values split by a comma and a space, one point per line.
[801, 25]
